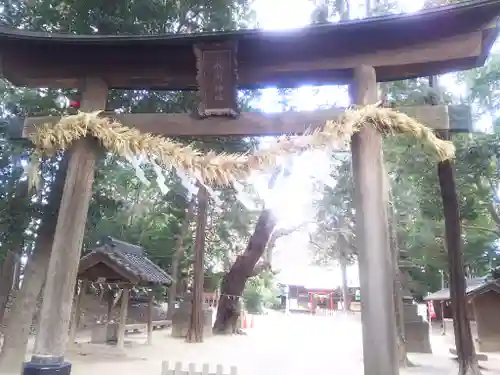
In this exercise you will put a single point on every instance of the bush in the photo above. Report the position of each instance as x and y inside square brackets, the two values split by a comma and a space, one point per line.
[260, 292]
[253, 301]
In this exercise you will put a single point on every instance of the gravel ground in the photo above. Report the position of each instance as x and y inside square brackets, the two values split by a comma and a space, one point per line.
[279, 344]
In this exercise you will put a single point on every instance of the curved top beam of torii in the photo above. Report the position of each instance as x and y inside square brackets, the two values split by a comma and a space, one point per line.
[429, 42]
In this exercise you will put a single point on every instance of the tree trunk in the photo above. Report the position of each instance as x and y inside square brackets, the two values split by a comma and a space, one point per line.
[268, 253]
[195, 331]
[17, 275]
[368, 8]
[400, 324]
[344, 10]
[397, 278]
[403, 360]
[18, 218]
[346, 300]
[6, 281]
[179, 251]
[398, 288]
[233, 283]
[463, 338]
[19, 320]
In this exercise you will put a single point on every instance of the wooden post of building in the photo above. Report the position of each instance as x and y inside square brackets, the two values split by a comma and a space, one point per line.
[150, 317]
[76, 311]
[375, 263]
[59, 290]
[120, 342]
[111, 300]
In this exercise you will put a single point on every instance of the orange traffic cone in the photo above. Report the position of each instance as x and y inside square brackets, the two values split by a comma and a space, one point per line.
[245, 322]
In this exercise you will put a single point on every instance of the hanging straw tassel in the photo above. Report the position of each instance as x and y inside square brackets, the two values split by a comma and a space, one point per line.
[222, 168]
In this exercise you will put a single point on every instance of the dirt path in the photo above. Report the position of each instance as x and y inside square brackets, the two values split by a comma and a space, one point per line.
[293, 345]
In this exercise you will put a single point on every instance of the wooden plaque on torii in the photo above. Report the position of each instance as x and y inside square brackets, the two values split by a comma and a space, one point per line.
[217, 79]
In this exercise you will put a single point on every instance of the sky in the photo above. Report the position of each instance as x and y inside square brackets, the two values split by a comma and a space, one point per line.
[292, 201]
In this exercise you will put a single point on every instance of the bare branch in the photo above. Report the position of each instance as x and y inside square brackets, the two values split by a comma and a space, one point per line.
[312, 242]
[482, 229]
[286, 232]
[275, 236]
[261, 267]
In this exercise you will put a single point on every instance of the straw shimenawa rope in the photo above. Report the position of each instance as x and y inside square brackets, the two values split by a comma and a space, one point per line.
[223, 168]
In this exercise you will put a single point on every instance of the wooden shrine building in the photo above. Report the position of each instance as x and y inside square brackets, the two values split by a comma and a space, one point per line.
[359, 53]
[483, 309]
[120, 262]
[121, 265]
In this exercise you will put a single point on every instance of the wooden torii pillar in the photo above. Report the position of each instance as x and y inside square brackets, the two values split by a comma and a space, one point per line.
[372, 232]
[55, 316]
[465, 350]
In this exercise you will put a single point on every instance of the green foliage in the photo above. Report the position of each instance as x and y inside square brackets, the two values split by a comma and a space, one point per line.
[260, 292]
[334, 235]
[121, 205]
[415, 188]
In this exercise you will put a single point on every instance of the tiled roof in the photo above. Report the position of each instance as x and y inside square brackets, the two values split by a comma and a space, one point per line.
[131, 259]
[474, 286]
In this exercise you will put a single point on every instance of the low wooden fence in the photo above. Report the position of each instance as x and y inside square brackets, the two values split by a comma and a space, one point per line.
[168, 368]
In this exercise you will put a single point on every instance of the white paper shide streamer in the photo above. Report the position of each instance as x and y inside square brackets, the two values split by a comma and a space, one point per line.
[243, 197]
[160, 178]
[191, 188]
[192, 183]
[135, 162]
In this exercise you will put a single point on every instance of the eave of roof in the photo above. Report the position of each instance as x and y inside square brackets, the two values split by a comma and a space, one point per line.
[477, 13]
[130, 262]
[474, 287]
[290, 58]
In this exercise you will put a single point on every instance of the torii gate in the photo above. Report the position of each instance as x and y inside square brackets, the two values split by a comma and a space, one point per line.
[359, 53]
